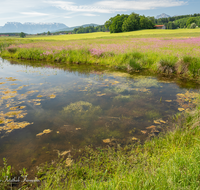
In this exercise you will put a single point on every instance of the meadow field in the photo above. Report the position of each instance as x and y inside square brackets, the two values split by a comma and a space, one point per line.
[170, 160]
[162, 51]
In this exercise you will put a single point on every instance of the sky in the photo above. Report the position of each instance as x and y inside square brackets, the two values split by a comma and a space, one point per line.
[79, 12]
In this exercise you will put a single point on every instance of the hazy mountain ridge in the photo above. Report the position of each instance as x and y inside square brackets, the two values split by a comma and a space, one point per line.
[163, 15]
[30, 28]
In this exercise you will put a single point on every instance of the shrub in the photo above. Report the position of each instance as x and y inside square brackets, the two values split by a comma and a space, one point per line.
[135, 64]
[12, 49]
[137, 55]
[193, 25]
[167, 66]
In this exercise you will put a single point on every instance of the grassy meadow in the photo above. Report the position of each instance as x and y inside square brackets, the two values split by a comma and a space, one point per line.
[162, 51]
[169, 161]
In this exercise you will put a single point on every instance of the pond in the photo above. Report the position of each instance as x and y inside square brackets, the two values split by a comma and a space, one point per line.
[48, 110]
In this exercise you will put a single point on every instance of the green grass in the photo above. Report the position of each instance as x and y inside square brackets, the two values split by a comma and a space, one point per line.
[139, 33]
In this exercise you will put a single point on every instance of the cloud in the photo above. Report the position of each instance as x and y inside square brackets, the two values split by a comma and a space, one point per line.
[89, 14]
[116, 5]
[68, 17]
[71, 6]
[34, 14]
[82, 14]
[139, 4]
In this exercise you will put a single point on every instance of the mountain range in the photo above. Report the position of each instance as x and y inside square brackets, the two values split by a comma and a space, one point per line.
[34, 28]
[30, 28]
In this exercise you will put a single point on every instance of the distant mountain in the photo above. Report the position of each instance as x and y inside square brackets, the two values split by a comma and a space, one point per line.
[163, 15]
[72, 28]
[30, 28]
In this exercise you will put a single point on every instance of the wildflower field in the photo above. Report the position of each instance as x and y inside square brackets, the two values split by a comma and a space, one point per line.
[165, 51]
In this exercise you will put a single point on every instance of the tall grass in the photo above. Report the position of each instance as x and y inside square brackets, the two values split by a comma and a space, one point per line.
[187, 65]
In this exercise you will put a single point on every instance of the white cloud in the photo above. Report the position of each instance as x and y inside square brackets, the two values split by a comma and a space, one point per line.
[116, 5]
[71, 6]
[89, 14]
[139, 4]
[34, 13]
[82, 14]
[68, 17]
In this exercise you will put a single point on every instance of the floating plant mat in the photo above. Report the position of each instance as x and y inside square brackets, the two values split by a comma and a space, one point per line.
[46, 111]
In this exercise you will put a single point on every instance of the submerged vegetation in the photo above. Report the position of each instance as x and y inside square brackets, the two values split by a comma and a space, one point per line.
[168, 162]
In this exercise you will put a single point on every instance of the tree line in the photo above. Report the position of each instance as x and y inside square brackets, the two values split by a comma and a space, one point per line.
[183, 21]
[89, 29]
[126, 23]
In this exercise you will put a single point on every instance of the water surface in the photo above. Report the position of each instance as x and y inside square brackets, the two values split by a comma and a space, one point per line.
[45, 111]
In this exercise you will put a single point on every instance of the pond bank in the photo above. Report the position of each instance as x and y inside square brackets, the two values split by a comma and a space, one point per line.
[187, 66]
[167, 55]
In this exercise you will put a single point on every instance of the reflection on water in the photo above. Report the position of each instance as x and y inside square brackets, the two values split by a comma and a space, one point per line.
[46, 111]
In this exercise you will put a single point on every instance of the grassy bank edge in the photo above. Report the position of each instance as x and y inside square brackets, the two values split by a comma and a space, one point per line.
[185, 66]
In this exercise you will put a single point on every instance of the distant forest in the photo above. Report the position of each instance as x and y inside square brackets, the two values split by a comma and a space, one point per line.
[89, 29]
[183, 21]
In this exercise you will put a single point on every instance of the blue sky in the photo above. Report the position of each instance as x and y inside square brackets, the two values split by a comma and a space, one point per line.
[79, 12]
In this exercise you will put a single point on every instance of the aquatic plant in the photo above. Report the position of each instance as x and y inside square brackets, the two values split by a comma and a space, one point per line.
[146, 83]
[81, 112]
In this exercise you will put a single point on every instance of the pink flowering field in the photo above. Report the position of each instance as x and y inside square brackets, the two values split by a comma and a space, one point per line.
[168, 48]
[174, 46]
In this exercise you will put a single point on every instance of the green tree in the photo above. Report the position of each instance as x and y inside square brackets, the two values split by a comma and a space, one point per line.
[75, 30]
[171, 25]
[108, 23]
[152, 19]
[190, 21]
[193, 25]
[131, 23]
[22, 35]
[146, 23]
[117, 23]
[48, 33]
